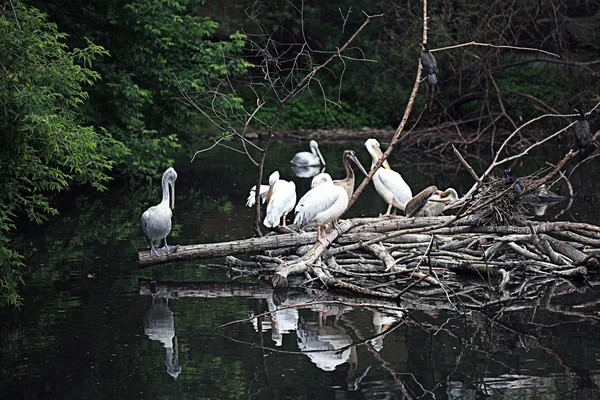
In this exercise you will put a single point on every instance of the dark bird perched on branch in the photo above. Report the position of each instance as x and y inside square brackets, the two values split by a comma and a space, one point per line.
[518, 186]
[429, 64]
[582, 130]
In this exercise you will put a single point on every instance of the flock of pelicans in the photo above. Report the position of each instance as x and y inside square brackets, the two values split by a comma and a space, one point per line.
[325, 202]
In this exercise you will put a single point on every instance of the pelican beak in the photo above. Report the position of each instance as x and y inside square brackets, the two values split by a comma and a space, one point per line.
[321, 156]
[269, 194]
[385, 164]
[172, 185]
[358, 164]
[437, 197]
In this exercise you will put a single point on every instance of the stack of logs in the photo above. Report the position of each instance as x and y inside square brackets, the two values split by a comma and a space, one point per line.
[404, 258]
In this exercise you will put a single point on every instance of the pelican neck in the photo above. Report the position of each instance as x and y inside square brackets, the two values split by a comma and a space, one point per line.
[165, 190]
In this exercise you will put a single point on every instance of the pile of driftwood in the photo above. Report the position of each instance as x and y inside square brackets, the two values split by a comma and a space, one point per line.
[403, 258]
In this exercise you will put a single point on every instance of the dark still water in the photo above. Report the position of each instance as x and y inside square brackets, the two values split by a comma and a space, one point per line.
[89, 327]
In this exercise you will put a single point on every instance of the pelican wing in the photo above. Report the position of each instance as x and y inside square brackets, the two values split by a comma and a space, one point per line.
[282, 202]
[314, 202]
[394, 182]
[264, 189]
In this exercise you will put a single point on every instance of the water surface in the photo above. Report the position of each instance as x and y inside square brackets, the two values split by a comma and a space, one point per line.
[90, 328]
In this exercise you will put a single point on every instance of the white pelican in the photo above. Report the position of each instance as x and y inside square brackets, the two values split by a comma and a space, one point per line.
[430, 202]
[319, 179]
[304, 158]
[388, 183]
[281, 199]
[323, 203]
[156, 221]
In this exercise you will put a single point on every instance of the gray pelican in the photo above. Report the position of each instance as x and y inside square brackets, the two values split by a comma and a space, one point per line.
[156, 221]
[281, 199]
[304, 158]
[388, 183]
[323, 203]
[319, 179]
[348, 182]
[430, 202]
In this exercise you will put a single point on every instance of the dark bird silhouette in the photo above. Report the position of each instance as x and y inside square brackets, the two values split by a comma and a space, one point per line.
[517, 185]
[429, 64]
[582, 130]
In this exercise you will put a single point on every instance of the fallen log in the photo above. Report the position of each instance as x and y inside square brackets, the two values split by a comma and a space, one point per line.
[210, 250]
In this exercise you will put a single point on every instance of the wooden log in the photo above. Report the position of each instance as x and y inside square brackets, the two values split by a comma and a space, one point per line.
[279, 279]
[204, 289]
[210, 250]
[577, 272]
[385, 224]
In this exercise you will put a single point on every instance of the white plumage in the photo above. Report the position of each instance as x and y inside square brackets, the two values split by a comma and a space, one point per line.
[156, 220]
[281, 199]
[320, 179]
[264, 189]
[305, 158]
[389, 184]
[322, 204]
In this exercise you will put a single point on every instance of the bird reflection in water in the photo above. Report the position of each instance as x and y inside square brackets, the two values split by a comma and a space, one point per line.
[159, 325]
[307, 171]
[382, 322]
[280, 322]
[326, 345]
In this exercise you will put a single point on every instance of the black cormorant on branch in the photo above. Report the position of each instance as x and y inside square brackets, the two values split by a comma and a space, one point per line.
[582, 130]
[429, 64]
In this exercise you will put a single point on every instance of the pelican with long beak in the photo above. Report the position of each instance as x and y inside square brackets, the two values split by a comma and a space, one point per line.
[348, 182]
[388, 183]
[156, 220]
[281, 199]
[305, 158]
[430, 202]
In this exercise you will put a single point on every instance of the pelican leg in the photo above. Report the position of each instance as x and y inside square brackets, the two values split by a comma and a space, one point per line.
[394, 211]
[320, 238]
[283, 221]
[166, 248]
[153, 250]
[389, 209]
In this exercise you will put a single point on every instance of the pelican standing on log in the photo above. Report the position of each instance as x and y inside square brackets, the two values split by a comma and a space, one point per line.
[324, 203]
[388, 183]
[305, 158]
[281, 199]
[156, 220]
[430, 202]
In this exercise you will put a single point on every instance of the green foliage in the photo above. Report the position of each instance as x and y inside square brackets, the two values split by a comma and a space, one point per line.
[308, 113]
[45, 146]
[157, 48]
